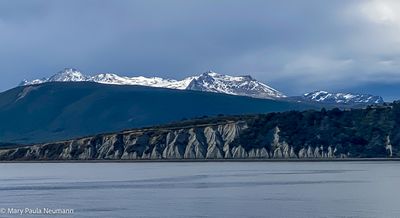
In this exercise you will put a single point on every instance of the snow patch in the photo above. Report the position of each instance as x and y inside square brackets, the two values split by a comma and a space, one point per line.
[26, 91]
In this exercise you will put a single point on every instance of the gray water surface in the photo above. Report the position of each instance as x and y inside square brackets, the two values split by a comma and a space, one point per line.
[204, 189]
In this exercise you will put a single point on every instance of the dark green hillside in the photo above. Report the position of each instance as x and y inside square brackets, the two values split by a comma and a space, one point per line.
[370, 132]
[54, 111]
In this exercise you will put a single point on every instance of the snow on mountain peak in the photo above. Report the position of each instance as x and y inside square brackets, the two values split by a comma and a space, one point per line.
[342, 98]
[210, 73]
[209, 81]
[68, 75]
[234, 85]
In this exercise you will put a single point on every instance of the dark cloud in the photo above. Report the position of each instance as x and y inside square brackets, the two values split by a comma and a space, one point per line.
[295, 46]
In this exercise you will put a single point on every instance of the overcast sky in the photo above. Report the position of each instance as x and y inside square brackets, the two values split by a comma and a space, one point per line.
[295, 46]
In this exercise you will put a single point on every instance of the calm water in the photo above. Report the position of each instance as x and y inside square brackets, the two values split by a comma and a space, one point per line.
[245, 189]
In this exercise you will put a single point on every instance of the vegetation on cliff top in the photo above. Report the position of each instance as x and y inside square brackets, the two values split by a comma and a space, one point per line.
[370, 132]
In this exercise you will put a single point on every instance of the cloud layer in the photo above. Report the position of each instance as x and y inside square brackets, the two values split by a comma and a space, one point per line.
[296, 46]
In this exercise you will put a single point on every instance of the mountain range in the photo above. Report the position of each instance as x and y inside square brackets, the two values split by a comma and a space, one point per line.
[208, 81]
[61, 110]
[342, 98]
[213, 82]
[71, 104]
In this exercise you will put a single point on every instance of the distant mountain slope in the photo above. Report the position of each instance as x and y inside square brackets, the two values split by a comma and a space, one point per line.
[55, 110]
[209, 82]
[342, 98]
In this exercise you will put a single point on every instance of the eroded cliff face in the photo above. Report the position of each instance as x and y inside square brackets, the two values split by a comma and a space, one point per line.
[214, 141]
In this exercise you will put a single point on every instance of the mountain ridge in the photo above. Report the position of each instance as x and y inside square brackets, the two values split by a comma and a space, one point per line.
[208, 81]
[340, 97]
[213, 82]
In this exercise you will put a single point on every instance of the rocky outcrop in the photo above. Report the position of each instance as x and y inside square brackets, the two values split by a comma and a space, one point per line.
[213, 141]
[388, 146]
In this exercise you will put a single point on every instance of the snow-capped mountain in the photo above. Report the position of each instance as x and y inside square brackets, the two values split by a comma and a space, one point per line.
[74, 75]
[208, 82]
[68, 75]
[239, 85]
[342, 98]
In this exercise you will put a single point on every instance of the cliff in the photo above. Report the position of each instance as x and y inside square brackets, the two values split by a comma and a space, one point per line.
[197, 142]
[357, 133]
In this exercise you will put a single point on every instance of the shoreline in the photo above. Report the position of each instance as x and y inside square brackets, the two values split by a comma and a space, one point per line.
[205, 160]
